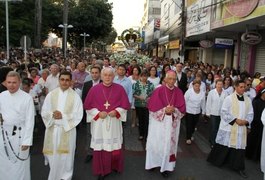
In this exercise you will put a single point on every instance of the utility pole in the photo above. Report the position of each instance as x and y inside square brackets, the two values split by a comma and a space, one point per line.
[183, 32]
[65, 23]
[38, 21]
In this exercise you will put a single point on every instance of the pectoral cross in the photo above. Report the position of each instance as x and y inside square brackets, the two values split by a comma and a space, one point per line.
[107, 105]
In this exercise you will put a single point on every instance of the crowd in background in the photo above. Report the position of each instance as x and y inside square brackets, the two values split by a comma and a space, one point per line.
[197, 80]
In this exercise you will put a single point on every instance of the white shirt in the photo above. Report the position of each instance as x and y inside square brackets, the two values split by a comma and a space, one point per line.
[251, 93]
[202, 87]
[214, 102]
[229, 90]
[52, 82]
[195, 102]
[155, 81]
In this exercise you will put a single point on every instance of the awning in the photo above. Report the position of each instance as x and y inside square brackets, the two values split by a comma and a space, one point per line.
[163, 40]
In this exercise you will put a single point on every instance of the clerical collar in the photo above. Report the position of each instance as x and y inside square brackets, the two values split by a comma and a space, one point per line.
[240, 97]
[171, 88]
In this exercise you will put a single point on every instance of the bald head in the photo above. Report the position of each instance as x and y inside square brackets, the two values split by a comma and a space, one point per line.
[54, 69]
[81, 67]
[170, 78]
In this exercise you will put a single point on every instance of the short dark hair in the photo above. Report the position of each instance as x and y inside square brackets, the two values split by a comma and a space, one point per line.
[237, 82]
[122, 65]
[67, 73]
[27, 81]
[96, 67]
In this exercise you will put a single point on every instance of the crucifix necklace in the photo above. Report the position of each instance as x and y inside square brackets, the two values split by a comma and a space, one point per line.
[107, 104]
[169, 102]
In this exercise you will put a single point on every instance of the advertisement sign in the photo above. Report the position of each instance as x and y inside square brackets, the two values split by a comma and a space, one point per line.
[223, 43]
[198, 17]
[174, 44]
[206, 43]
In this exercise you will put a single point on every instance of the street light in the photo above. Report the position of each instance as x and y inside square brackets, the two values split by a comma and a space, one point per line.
[65, 27]
[84, 35]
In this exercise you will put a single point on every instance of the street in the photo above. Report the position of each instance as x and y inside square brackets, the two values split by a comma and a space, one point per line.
[191, 161]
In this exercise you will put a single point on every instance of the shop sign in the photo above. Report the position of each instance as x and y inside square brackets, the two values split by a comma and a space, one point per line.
[223, 43]
[251, 38]
[174, 44]
[206, 43]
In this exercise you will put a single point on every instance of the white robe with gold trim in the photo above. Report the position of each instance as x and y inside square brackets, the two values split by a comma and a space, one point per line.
[61, 164]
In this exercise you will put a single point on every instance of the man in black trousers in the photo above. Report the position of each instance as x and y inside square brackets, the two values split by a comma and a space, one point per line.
[181, 78]
[95, 75]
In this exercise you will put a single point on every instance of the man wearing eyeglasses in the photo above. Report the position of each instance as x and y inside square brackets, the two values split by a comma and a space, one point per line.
[250, 92]
[62, 111]
[17, 122]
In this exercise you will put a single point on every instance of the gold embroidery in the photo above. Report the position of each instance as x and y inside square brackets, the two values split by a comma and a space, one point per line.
[64, 142]
[234, 128]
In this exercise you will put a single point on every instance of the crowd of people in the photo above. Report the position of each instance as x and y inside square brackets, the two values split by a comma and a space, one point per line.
[155, 97]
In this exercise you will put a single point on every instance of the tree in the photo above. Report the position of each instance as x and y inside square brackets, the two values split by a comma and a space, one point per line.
[93, 17]
[90, 16]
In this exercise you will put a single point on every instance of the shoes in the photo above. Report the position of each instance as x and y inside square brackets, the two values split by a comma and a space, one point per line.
[165, 174]
[188, 142]
[141, 138]
[88, 158]
[243, 174]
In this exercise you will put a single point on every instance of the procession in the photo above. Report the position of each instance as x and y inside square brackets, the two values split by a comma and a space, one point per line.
[134, 103]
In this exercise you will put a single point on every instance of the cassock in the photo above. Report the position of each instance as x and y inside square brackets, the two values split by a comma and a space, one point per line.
[255, 136]
[60, 135]
[163, 131]
[106, 133]
[17, 111]
[231, 139]
[262, 160]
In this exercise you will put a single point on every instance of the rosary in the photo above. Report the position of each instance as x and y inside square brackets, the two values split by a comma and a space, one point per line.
[5, 135]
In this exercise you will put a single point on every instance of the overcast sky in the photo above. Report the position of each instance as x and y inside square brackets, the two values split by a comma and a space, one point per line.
[126, 14]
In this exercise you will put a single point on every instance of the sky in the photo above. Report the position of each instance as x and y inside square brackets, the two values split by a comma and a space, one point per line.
[127, 14]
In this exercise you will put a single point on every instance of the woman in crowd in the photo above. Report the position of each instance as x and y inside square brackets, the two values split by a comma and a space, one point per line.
[228, 85]
[195, 103]
[209, 82]
[153, 78]
[136, 70]
[142, 90]
[165, 69]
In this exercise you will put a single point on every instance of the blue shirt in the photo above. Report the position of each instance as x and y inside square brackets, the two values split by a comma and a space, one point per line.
[126, 84]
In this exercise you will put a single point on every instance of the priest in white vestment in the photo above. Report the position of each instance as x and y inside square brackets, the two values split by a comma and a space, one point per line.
[107, 104]
[17, 111]
[236, 116]
[262, 160]
[62, 111]
[166, 107]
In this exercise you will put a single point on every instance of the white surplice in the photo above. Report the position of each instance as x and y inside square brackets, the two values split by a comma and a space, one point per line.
[17, 110]
[224, 132]
[262, 159]
[106, 133]
[61, 165]
[159, 144]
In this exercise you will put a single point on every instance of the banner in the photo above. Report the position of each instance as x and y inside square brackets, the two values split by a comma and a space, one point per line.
[198, 18]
